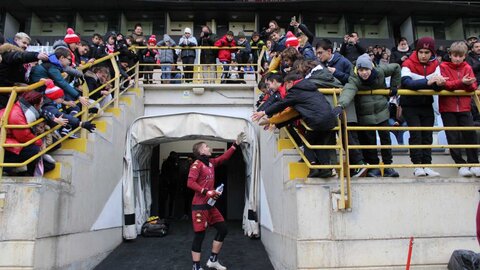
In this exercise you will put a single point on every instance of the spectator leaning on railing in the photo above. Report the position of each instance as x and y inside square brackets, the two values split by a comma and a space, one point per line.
[53, 70]
[455, 110]
[12, 64]
[372, 110]
[25, 109]
[54, 97]
[421, 71]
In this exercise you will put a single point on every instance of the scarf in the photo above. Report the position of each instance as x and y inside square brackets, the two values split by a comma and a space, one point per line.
[31, 114]
[204, 159]
[370, 79]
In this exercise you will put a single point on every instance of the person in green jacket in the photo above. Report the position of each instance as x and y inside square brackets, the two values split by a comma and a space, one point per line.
[372, 110]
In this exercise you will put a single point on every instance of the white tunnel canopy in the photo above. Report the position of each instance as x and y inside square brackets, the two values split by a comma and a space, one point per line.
[147, 132]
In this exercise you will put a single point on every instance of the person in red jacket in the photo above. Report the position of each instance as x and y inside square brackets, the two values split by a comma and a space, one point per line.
[225, 55]
[25, 110]
[456, 110]
[201, 179]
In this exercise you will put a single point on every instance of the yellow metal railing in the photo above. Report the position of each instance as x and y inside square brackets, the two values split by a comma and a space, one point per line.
[14, 91]
[343, 149]
[202, 73]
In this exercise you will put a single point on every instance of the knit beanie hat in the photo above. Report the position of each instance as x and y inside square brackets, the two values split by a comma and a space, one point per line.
[426, 43]
[53, 92]
[241, 35]
[292, 40]
[152, 39]
[364, 61]
[71, 37]
[187, 30]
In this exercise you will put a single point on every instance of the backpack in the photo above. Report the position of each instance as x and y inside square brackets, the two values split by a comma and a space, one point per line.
[155, 227]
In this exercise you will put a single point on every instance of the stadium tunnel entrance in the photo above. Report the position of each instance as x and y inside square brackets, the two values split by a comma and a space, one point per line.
[149, 142]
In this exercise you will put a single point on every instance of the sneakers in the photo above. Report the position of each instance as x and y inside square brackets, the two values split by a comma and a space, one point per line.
[432, 173]
[374, 173]
[419, 172]
[320, 173]
[475, 171]
[215, 265]
[48, 158]
[390, 172]
[354, 173]
[465, 172]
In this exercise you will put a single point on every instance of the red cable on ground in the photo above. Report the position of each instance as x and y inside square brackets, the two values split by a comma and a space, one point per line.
[410, 247]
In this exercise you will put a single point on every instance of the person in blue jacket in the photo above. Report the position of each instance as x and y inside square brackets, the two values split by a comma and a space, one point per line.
[53, 69]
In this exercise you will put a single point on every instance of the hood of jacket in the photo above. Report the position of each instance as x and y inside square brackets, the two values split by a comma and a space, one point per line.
[7, 47]
[167, 38]
[413, 63]
[52, 58]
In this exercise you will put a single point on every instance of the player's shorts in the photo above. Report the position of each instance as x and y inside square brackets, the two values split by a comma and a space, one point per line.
[203, 216]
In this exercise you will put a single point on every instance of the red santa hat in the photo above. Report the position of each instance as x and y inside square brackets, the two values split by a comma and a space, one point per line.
[292, 40]
[71, 37]
[53, 92]
[152, 39]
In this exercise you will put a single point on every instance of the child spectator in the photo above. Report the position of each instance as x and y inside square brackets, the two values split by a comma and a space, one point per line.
[225, 55]
[166, 57]
[72, 41]
[242, 55]
[455, 110]
[188, 55]
[314, 109]
[421, 71]
[149, 56]
[51, 111]
[53, 69]
[372, 110]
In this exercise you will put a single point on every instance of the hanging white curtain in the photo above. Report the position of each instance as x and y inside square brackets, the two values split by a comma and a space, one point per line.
[146, 132]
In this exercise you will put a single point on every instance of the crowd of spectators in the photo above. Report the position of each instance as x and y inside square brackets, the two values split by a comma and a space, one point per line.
[291, 78]
[292, 67]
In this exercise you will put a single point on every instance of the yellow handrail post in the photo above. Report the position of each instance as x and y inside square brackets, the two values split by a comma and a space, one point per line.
[341, 173]
[85, 93]
[137, 70]
[3, 130]
[117, 82]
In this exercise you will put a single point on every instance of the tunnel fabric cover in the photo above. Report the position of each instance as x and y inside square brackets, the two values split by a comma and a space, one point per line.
[147, 132]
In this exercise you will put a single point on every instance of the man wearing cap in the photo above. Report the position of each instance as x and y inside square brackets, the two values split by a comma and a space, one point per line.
[372, 110]
[470, 40]
[225, 55]
[188, 55]
[421, 71]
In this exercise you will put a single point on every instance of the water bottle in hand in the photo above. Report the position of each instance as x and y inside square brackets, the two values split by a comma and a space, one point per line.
[212, 201]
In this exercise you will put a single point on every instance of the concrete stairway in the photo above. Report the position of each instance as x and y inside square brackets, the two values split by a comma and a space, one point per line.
[72, 218]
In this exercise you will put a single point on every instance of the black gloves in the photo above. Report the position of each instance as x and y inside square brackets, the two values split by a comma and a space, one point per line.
[393, 91]
[337, 111]
[93, 110]
[89, 126]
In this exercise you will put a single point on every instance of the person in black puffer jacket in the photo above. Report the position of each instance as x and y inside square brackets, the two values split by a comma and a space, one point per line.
[314, 109]
[401, 52]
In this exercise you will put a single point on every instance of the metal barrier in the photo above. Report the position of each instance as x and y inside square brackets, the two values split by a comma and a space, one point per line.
[13, 91]
[200, 73]
[344, 165]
